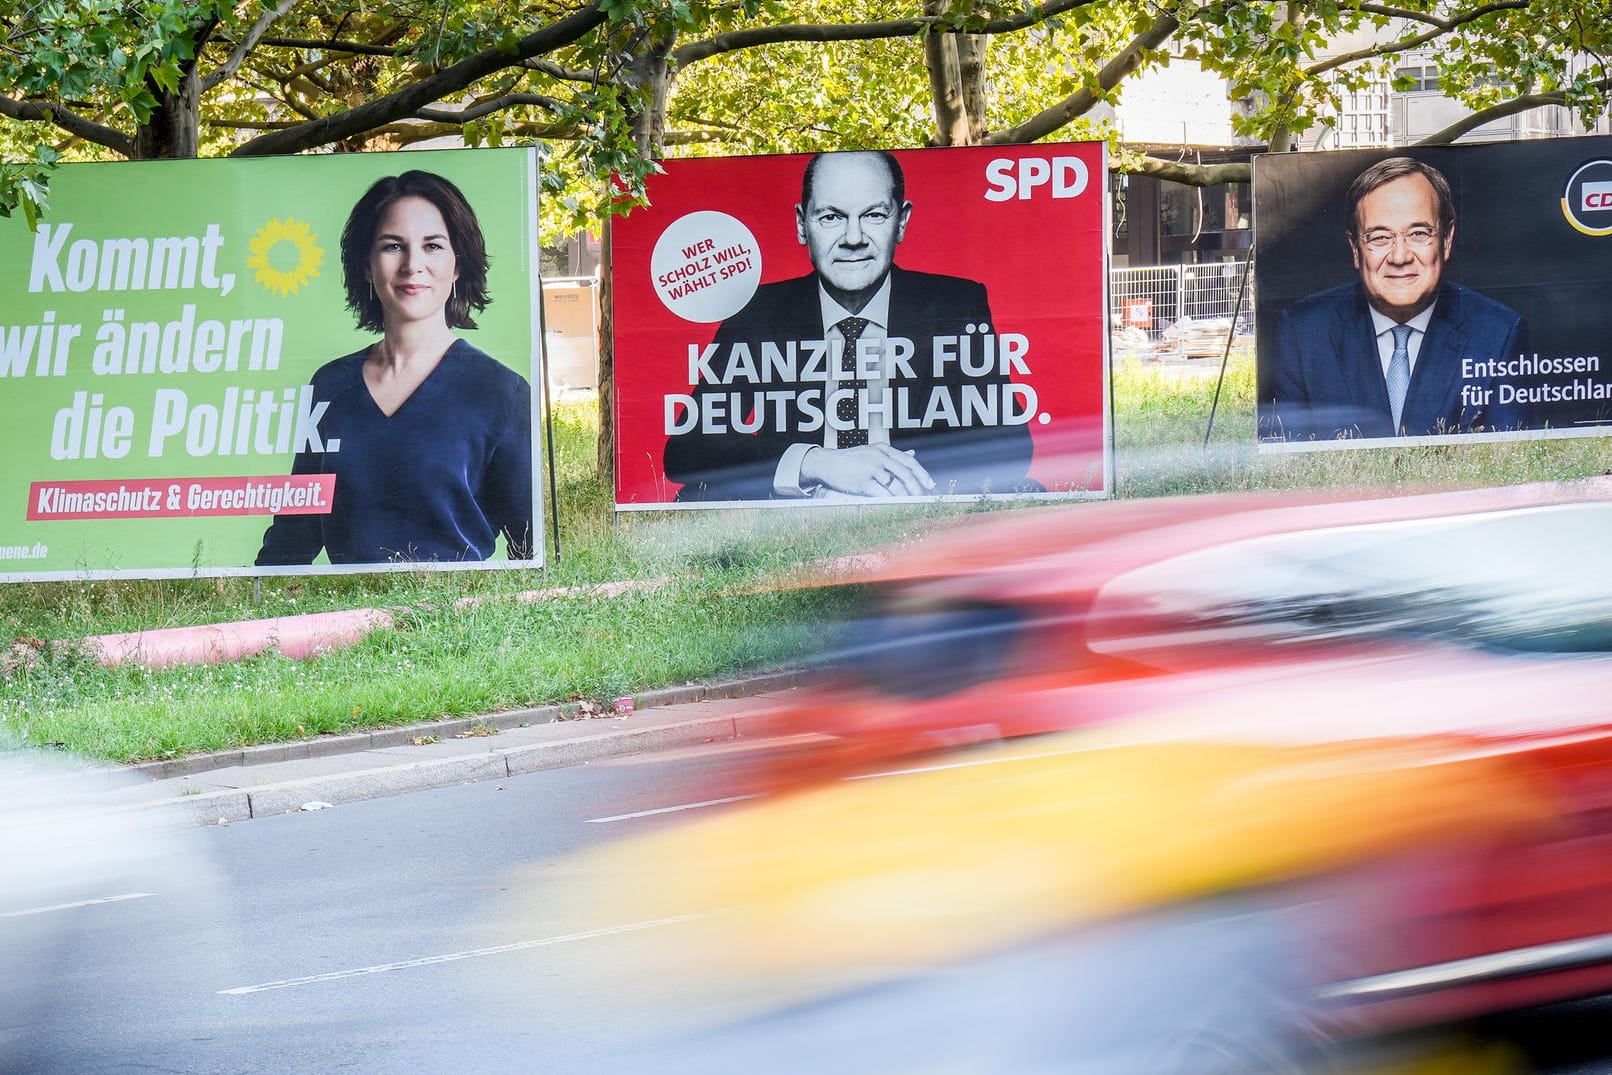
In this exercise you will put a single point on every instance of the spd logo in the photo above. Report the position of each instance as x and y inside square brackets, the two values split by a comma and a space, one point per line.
[1587, 201]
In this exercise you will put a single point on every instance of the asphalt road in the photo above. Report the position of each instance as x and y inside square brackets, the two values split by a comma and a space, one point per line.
[337, 940]
[376, 937]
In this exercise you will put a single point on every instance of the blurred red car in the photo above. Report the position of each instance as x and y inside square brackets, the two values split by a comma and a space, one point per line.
[1044, 620]
[1479, 620]
[1291, 770]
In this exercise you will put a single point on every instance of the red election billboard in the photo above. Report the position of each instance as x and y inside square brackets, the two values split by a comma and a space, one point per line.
[863, 326]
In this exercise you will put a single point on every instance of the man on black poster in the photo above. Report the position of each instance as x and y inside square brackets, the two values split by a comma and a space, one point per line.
[866, 423]
[1382, 357]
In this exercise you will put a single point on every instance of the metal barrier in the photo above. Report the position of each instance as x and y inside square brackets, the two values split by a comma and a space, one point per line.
[1155, 299]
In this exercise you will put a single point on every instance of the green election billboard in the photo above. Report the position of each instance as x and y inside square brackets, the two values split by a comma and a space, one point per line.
[287, 365]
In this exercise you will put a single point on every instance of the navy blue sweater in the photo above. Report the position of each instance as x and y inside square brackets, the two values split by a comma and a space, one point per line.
[438, 480]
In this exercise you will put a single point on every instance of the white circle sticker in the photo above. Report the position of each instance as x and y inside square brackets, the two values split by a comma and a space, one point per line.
[706, 265]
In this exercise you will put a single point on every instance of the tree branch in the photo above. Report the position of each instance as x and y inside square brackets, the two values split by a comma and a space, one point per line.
[244, 47]
[287, 94]
[1500, 111]
[352, 47]
[1192, 175]
[389, 32]
[69, 121]
[487, 108]
[1433, 20]
[411, 98]
[407, 132]
[1441, 27]
[308, 70]
[1081, 101]
[205, 28]
[558, 71]
[291, 87]
[695, 51]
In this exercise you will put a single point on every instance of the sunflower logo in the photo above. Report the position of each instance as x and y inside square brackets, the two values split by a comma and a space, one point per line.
[284, 255]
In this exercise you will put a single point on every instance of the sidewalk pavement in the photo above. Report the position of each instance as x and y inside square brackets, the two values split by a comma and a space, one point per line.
[235, 785]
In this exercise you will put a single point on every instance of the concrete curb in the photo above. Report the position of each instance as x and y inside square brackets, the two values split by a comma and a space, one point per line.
[402, 735]
[342, 769]
[332, 769]
[223, 807]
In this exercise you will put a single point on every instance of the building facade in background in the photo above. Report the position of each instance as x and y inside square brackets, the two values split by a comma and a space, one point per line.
[1183, 111]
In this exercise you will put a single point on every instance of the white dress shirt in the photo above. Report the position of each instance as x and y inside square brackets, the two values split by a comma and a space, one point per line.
[1383, 326]
[786, 479]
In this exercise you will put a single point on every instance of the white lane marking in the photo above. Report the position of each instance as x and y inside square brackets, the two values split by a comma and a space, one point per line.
[670, 809]
[450, 957]
[71, 906]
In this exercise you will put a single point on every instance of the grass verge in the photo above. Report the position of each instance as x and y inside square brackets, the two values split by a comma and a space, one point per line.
[701, 618]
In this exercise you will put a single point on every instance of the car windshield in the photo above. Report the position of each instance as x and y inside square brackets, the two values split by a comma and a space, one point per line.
[1535, 579]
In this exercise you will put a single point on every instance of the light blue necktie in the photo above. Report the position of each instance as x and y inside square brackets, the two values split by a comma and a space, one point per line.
[1399, 372]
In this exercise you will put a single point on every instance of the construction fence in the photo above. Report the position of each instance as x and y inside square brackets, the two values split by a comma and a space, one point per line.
[1187, 308]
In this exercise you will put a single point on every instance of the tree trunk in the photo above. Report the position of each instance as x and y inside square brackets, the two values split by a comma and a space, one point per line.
[650, 70]
[606, 448]
[971, 66]
[945, 82]
[1281, 139]
[173, 131]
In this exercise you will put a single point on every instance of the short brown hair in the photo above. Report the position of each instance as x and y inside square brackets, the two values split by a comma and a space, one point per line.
[464, 233]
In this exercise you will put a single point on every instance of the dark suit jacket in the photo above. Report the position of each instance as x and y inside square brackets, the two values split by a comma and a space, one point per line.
[961, 459]
[1327, 379]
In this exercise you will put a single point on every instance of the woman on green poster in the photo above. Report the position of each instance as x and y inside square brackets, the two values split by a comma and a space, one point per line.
[428, 437]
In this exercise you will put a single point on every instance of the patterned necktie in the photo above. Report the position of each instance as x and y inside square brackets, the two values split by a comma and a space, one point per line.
[850, 381]
[1399, 372]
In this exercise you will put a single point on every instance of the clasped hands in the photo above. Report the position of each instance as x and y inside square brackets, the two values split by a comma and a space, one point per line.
[867, 470]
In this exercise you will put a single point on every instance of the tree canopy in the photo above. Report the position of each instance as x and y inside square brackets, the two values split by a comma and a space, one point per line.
[615, 83]
[609, 86]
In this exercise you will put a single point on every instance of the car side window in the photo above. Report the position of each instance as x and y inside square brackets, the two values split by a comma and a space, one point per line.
[1531, 579]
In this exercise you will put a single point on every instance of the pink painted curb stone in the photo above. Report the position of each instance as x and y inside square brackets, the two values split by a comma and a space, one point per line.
[300, 637]
[294, 636]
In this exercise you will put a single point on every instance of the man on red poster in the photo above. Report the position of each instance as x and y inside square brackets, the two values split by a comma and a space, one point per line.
[888, 369]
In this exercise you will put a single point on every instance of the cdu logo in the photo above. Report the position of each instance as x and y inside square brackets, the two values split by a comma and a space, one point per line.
[1587, 201]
